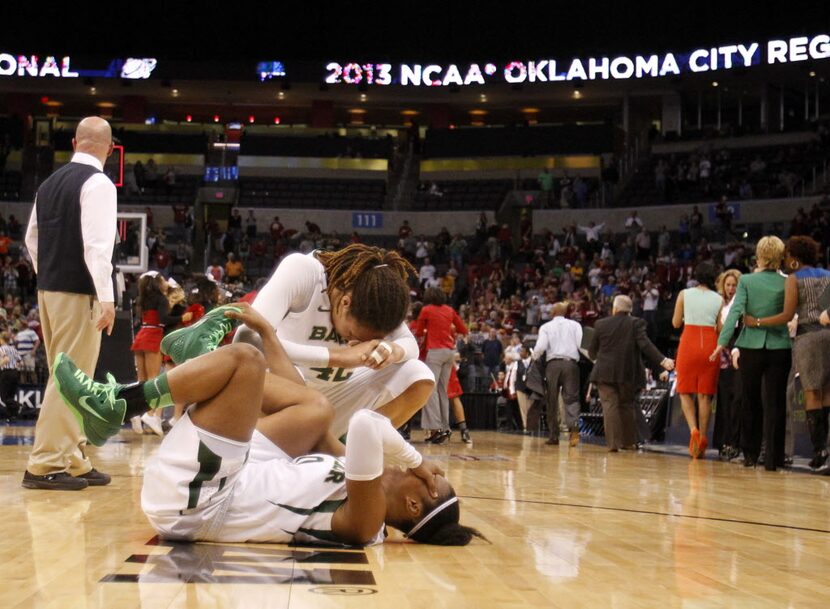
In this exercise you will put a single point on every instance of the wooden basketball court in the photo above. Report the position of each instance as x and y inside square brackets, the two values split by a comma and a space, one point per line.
[569, 528]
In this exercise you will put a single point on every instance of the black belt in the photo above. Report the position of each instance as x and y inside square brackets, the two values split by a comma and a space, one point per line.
[562, 359]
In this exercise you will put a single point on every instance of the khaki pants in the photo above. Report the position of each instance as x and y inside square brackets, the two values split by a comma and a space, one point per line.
[524, 406]
[68, 322]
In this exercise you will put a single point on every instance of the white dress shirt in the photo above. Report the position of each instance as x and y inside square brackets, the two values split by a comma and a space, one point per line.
[592, 232]
[559, 338]
[98, 227]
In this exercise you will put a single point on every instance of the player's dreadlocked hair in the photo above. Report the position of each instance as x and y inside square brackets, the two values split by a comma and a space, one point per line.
[377, 279]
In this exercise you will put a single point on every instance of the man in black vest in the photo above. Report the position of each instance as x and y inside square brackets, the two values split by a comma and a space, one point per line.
[70, 237]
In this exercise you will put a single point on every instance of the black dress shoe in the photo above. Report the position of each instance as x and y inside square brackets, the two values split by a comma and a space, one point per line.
[750, 462]
[442, 436]
[552, 441]
[54, 482]
[95, 478]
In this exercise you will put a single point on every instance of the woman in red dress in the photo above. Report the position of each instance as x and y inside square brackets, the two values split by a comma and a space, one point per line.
[155, 314]
[698, 311]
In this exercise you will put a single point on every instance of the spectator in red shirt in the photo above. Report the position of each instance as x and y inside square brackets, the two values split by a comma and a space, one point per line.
[440, 323]
[404, 230]
[162, 259]
[5, 241]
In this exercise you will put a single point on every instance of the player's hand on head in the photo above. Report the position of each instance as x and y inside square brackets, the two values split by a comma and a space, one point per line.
[427, 471]
[250, 317]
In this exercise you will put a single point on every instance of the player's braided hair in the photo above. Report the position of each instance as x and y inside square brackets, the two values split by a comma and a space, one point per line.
[441, 527]
[377, 279]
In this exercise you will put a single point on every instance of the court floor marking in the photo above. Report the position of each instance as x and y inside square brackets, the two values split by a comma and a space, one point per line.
[649, 512]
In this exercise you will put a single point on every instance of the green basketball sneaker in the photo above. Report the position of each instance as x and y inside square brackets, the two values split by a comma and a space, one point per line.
[95, 405]
[202, 337]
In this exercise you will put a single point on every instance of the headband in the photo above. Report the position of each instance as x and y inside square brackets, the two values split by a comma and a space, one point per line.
[379, 266]
[431, 515]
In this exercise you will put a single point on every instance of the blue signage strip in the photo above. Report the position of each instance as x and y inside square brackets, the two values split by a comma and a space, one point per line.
[367, 220]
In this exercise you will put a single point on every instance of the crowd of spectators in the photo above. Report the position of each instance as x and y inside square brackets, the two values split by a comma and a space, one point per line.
[503, 287]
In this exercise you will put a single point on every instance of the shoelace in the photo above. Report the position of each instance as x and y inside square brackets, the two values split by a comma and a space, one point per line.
[106, 391]
[218, 333]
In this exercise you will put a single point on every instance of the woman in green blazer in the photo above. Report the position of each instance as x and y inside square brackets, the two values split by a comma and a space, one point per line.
[765, 358]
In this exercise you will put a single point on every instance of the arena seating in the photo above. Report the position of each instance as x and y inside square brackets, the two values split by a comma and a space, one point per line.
[10, 186]
[322, 146]
[463, 195]
[785, 168]
[146, 141]
[182, 191]
[518, 141]
[311, 193]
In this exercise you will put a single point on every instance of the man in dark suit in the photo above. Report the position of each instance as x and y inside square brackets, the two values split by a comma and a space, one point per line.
[618, 346]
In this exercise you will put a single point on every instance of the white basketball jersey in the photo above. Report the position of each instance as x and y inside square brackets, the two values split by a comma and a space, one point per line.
[280, 501]
[313, 327]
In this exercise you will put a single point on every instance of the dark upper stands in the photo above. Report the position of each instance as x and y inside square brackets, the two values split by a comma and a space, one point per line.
[324, 146]
[146, 142]
[10, 186]
[182, 191]
[518, 141]
[311, 193]
[463, 195]
[785, 169]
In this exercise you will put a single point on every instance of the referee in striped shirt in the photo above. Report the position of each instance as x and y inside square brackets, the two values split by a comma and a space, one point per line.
[9, 364]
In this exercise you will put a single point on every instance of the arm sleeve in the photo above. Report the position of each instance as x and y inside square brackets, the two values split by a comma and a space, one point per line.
[593, 348]
[647, 348]
[459, 324]
[736, 312]
[421, 324]
[31, 235]
[541, 345]
[98, 225]
[290, 289]
[511, 377]
[404, 339]
[373, 440]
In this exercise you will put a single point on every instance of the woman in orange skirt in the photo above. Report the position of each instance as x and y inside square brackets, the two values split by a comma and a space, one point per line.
[697, 311]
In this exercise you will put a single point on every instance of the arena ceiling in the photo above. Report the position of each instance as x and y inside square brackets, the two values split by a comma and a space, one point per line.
[216, 47]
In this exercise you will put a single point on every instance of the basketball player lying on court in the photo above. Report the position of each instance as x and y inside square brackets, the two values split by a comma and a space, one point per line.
[242, 465]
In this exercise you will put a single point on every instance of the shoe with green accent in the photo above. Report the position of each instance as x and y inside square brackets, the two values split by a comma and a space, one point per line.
[95, 405]
[202, 337]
